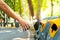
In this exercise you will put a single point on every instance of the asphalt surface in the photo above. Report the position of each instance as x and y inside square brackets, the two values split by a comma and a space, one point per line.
[14, 34]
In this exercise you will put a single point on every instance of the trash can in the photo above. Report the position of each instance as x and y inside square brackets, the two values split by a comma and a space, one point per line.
[54, 31]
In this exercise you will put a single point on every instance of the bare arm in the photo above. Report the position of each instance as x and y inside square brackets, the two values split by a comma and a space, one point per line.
[11, 13]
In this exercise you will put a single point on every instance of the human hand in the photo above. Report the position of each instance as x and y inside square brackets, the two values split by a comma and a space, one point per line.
[24, 24]
[11, 13]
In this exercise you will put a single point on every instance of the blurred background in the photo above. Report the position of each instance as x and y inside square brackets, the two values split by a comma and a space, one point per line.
[27, 9]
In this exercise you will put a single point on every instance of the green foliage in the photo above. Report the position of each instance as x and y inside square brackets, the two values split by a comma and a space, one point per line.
[21, 6]
[35, 3]
[9, 2]
[44, 4]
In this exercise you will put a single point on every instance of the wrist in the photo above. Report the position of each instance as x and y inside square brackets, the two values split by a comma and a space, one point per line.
[19, 19]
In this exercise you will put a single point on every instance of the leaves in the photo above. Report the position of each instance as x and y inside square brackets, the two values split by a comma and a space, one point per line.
[9, 2]
[21, 6]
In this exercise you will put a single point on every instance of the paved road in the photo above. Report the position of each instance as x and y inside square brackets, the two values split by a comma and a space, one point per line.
[14, 34]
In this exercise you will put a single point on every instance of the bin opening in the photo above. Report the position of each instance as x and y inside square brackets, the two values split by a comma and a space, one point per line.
[36, 25]
[54, 27]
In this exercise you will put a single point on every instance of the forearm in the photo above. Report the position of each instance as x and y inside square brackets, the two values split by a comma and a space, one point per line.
[10, 12]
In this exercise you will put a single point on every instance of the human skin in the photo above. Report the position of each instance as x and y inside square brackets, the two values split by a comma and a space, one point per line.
[12, 14]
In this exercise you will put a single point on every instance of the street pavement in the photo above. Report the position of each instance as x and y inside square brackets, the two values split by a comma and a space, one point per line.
[14, 34]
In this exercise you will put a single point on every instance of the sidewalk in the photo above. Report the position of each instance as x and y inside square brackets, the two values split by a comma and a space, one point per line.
[15, 34]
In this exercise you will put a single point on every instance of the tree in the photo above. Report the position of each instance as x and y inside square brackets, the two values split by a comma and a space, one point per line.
[39, 9]
[51, 7]
[20, 11]
[31, 7]
[14, 5]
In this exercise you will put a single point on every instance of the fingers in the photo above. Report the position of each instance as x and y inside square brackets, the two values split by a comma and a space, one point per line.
[28, 26]
[24, 24]
[25, 27]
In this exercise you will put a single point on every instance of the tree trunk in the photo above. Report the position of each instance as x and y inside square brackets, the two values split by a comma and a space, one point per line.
[14, 5]
[31, 8]
[51, 7]
[39, 9]
[20, 11]
[14, 10]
